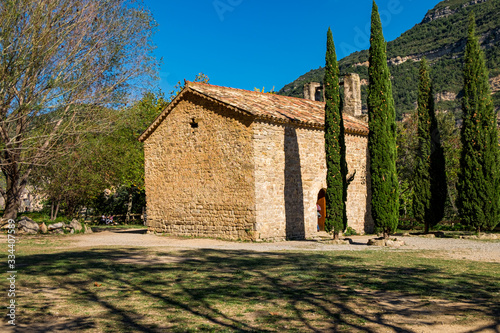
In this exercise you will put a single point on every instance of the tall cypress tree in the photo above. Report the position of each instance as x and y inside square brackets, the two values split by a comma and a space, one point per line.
[430, 175]
[336, 192]
[478, 184]
[382, 136]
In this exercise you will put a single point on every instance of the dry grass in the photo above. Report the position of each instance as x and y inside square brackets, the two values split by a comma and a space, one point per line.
[116, 289]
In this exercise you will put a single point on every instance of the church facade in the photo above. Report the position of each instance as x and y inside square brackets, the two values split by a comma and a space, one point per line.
[236, 164]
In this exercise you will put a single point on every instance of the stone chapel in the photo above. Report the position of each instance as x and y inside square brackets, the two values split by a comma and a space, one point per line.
[237, 164]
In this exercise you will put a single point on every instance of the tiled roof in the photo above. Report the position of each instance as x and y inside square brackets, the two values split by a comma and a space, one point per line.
[265, 106]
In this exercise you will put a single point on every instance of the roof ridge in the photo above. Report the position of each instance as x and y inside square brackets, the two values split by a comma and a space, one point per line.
[253, 91]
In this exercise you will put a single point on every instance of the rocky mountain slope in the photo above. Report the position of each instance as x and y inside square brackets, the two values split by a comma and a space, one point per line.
[441, 38]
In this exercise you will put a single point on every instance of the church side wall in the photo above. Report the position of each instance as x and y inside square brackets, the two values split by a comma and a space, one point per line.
[199, 180]
[358, 193]
[291, 170]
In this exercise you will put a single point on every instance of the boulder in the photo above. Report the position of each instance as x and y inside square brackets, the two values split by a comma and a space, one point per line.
[75, 225]
[55, 226]
[4, 224]
[394, 242]
[88, 230]
[59, 231]
[376, 242]
[27, 226]
[43, 228]
[25, 218]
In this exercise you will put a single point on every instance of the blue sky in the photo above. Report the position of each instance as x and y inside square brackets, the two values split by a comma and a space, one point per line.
[256, 43]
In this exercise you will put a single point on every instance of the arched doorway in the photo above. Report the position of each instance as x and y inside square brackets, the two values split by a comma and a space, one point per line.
[321, 207]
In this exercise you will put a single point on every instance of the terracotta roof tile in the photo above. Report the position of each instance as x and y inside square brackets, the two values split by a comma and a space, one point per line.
[263, 106]
[281, 108]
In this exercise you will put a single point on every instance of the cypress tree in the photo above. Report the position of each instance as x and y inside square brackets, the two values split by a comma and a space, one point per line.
[478, 184]
[430, 175]
[336, 192]
[382, 136]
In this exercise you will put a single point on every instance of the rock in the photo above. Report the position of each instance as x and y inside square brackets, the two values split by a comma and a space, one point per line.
[394, 242]
[57, 231]
[25, 218]
[4, 224]
[487, 236]
[75, 225]
[27, 226]
[376, 242]
[55, 226]
[43, 228]
[88, 230]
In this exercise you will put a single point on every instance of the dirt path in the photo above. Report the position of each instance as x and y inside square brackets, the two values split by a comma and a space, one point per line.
[478, 250]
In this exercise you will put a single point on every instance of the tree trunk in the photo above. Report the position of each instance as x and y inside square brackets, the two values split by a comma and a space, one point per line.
[129, 205]
[386, 235]
[52, 211]
[426, 229]
[12, 205]
[336, 236]
[14, 187]
[57, 210]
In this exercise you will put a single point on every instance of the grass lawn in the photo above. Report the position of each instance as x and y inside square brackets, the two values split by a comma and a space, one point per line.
[116, 289]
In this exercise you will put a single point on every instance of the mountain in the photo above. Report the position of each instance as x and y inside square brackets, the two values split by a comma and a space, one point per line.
[441, 38]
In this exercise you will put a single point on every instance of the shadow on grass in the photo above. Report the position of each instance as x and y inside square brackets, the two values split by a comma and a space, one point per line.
[226, 290]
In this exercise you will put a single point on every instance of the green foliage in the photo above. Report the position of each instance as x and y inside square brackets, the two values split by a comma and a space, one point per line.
[405, 163]
[479, 178]
[110, 158]
[116, 203]
[450, 138]
[336, 192]
[441, 41]
[350, 232]
[382, 137]
[430, 178]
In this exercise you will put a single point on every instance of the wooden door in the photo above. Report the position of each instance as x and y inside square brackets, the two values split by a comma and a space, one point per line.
[321, 204]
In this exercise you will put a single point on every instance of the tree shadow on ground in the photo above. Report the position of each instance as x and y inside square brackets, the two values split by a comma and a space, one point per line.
[137, 290]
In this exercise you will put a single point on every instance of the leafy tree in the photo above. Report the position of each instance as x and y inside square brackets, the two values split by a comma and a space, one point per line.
[127, 152]
[382, 136]
[479, 178]
[336, 192]
[405, 164]
[61, 62]
[97, 161]
[450, 138]
[430, 177]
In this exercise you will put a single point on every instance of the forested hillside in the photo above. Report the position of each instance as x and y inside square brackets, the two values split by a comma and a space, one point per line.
[441, 38]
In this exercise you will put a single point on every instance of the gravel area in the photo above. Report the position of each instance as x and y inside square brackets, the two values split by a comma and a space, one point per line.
[478, 250]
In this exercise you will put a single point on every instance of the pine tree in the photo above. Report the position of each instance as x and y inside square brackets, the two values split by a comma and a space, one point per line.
[336, 192]
[430, 176]
[478, 184]
[382, 137]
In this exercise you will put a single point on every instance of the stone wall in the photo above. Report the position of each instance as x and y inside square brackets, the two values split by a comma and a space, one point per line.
[199, 172]
[290, 172]
[358, 193]
[352, 95]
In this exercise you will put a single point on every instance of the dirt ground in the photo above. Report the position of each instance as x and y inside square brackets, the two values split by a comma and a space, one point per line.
[421, 316]
[470, 249]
